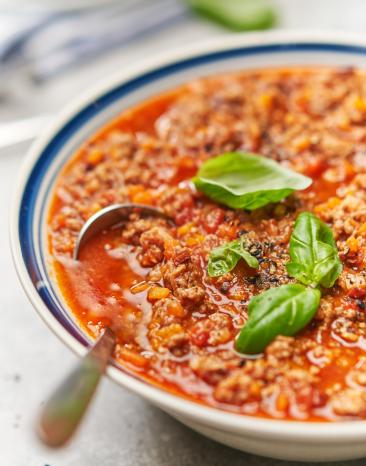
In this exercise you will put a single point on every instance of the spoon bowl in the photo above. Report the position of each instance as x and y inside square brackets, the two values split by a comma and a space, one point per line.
[112, 215]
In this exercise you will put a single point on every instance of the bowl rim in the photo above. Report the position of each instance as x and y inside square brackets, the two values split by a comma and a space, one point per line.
[180, 406]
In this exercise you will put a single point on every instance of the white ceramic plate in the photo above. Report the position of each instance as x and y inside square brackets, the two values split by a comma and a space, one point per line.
[280, 439]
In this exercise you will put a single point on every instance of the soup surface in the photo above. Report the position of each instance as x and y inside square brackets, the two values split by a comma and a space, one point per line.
[148, 279]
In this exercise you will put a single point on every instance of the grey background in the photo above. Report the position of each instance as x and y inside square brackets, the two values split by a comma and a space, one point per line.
[121, 429]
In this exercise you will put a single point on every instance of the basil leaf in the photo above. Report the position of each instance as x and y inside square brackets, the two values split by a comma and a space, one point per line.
[247, 181]
[224, 258]
[279, 311]
[239, 247]
[313, 252]
[238, 15]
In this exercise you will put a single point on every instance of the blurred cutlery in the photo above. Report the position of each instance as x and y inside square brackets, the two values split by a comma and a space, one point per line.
[24, 130]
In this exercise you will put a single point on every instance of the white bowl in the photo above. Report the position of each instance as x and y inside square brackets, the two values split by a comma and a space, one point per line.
[304, 441]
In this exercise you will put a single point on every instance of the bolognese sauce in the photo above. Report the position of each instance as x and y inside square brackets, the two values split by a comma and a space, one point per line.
[148, 280]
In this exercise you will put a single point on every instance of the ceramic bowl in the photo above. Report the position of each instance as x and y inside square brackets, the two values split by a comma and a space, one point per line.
[281, 439]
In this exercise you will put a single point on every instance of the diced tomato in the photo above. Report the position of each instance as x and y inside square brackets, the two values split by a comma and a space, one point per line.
[357, 293]
[200, 338]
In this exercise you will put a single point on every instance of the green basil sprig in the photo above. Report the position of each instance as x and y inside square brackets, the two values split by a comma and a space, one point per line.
[247, 181]
[313, 252]
[279, 311]
[225, 257]
[287, 309]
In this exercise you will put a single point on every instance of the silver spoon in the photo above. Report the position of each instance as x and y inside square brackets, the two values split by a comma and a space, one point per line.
[63, 411]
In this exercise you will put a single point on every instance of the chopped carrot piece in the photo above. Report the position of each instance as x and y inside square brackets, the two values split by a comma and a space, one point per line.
[282, 402]
[255, 389]
[139, 287]
[184, 229]
[133, 357]
[360, 104]
[289, 118]
[266, 100]
[157, 292]
[95, 156]
[195, 239]
[362, 229]
[134, 189]
[333, 202]
[302, 143]
[176, 309]
[143, 197]
[330, 204]
[167, 332]
[352, 243]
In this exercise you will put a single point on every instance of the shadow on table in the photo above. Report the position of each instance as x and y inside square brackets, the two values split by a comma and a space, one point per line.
[146, 436]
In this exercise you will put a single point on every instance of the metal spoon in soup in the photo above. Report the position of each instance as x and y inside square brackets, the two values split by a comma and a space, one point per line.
[65, 408]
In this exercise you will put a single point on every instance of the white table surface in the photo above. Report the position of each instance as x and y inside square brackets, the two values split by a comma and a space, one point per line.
[120, 428]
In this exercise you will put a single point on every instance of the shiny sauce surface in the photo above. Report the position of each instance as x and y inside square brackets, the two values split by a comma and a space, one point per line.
[147, 278]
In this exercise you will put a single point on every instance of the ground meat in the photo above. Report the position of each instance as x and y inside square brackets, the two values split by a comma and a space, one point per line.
[185, 280]
[172, 337]
[154, 242]
[351, 279]
[236, 389]
[276, 376]
[167, 311]
[148, 279]
[214, 367]
[177, 203]
[213, 331]
[133, 230]
[349, 402]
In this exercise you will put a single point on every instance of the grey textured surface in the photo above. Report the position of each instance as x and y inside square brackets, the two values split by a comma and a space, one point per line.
[120, 429]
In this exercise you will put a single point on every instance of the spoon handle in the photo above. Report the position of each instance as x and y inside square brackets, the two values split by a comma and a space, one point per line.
[64, 410]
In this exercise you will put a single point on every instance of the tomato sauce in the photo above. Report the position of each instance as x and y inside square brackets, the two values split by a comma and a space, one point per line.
[147, 279]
